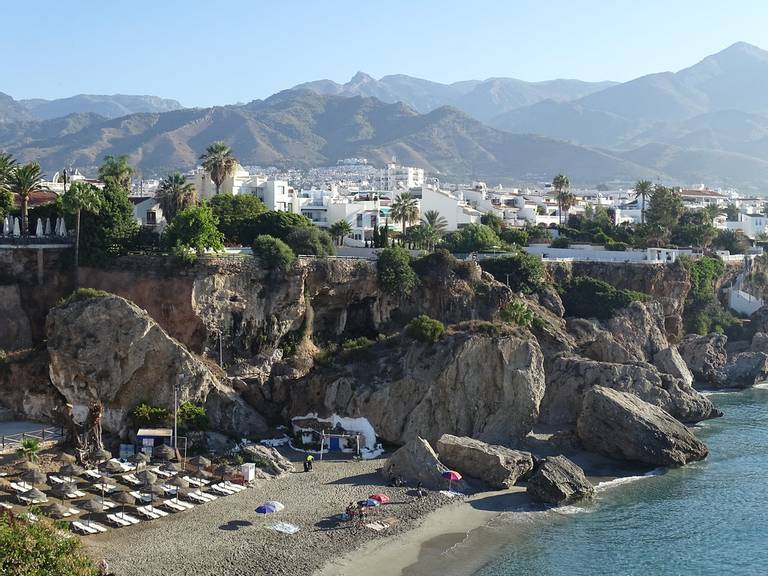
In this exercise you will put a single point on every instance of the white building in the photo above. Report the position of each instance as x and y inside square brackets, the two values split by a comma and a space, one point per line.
[453, 207]
[751, 225]
[361, 211]
[396, 177]
[148, 213]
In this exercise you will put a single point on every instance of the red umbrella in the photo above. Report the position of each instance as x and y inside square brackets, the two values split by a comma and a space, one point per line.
[383, 498]
[451, 476]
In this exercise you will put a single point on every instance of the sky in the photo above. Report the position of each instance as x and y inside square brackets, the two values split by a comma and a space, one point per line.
[204, 53]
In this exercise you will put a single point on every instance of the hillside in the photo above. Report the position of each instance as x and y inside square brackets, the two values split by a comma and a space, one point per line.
[109, 106]
[296, 128]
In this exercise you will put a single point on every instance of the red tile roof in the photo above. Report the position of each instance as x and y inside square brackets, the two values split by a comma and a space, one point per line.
[38, 198]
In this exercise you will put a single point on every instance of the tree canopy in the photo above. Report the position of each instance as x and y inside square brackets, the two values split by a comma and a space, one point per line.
[472, 238]
[238, 216]
[110, 233]
[195, 228]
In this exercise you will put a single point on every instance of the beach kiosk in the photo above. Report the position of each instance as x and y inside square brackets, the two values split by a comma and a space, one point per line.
[148, 438]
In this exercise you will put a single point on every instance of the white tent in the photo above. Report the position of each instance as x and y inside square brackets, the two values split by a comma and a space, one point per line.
[63, 227]
[16, 227]
[47, 226]
[39, 228]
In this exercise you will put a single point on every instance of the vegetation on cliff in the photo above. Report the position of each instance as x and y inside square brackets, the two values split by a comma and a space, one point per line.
[273, 252]
[703, 312]
[587, 297]
[426, 329]
[521, 271]
[396, 275]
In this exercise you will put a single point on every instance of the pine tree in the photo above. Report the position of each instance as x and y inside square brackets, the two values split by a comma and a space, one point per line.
[376, 240]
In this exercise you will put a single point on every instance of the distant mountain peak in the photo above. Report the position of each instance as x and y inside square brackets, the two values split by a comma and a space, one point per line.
[361, 77]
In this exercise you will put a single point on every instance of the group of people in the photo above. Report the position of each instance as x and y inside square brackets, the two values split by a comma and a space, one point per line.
[359, 511]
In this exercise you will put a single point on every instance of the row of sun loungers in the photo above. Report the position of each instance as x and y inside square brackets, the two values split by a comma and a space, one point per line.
[88, 527]
[121, 520]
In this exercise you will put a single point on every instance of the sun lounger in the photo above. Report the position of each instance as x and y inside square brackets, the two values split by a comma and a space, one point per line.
[172, 506]
[131, 479]
[55, 479]
[98, 527]
[199, 482]
[218, 488]
[127, 467]
[236, 487]
[143, 511]
[29, 501]
[197, 497]
[93, 474]
[82, 528]
[157, 510]
[20, 487]
[118, 521]
[161, 473]
[127, 517]
[6, 505]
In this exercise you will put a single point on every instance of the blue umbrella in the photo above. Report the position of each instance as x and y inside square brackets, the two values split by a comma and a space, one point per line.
[266, 509]
[370, 503]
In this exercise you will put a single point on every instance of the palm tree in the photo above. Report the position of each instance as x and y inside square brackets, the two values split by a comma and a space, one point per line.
[22, 181]
[405, 209]
[80, 196]
[710, 212]
[117, 169]
[561, 184]
[436, 221]
[29, 449]
[340, 230]
[174, 194]
[643, 188]
[219, 162]
[7, 164]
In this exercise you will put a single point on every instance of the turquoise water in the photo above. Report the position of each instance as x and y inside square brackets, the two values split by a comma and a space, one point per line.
[710, 518]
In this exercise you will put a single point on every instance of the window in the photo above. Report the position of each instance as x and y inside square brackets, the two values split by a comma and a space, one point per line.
[359, 220]
[151, 218]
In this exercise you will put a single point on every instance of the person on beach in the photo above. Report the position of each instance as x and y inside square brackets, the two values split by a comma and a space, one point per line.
[308, 463]
[420, 492]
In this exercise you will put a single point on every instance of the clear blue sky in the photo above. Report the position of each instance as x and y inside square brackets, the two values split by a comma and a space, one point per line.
[219, 52]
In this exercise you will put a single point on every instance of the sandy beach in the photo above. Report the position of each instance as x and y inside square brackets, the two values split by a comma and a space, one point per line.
[228, 537]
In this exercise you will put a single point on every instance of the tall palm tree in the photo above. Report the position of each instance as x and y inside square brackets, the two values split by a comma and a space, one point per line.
[561, 184]
[7, 163]
[643, 188]
[405, 209]
[340, 230]
[117, 169]
[436, 221]
[23, 180]
[175, 193]
[219, 161]
[80, 196]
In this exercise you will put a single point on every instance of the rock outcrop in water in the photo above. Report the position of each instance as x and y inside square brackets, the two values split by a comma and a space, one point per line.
[470, 383]
[497, 466]
[746, 369]
[622, 426]
[705, 356]
[557, 480]
[108, 349]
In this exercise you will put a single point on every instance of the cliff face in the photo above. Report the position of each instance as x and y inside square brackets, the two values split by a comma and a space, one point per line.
[668, 284]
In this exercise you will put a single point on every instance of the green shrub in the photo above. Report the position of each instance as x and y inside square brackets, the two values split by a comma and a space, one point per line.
[83, 294]
[587, 297]
[441, 264]
[560, 242]
[312, 241]
[237, 215]
[273, 252]
[396, 276]
[357, 343]
[473, 238]
[426, 329]
[29, 450]
[703, 313]
[192, 417]
[616, 246]
[183, 255]
[517, 312]
[523, 271]
[195, 228]
[601, 238]
[41, 548]
[145, 414]
[517, 236]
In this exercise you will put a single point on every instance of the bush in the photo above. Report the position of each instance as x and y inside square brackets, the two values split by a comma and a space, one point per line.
[426, 329]
[312, 241]
[42, 547]
[473, 238]
[192, 417]
[83, 294]
[703, 313]
[560, 242]
[523, 271]
[184, 255]
[441, 264]
[195, 228]
[517, 312]
[279, 224]
[357, 343]
[616, 246]
[396, 276]
[237, 216]
[517, 236]
[587, 297]
[112, 231]
[145, 414]
[273, 252]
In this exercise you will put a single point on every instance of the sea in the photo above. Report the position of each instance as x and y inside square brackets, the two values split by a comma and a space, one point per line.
[706, 519]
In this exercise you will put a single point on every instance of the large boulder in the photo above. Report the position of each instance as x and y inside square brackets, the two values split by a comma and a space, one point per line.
[497, 466]
[483, 382]
[108, 349]
[557, 480]
[417, 462]
[622, 426]
[268, 460]
[569, 378]
[669, 361]
[705, 356]
[746, 369]
[759, 342]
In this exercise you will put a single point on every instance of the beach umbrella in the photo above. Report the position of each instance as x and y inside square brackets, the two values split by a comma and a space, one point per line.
[6, 226]
[278, 506]
[225, 470]
[139, 459]
[16, 227]
[92, 506]
[112, 467]
[39, 227]
[34, 477]
[147, 477]
[171, 467]
[200, 462]
[35, 494]
[62, 490]
[124, 498]
[57, 510]
[63, 227]
[26, 465]
[381, 498]
[265, 509]
[67, 458]
[71, 470]
[164, 452]
[179, 483]
[451, 476]
[101, 455]
[153, 490]
[47, 226]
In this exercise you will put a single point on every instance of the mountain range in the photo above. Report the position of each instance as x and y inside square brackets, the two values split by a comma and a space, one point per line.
[707, 123]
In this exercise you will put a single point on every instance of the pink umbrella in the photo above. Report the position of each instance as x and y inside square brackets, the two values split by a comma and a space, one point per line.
[451, 476]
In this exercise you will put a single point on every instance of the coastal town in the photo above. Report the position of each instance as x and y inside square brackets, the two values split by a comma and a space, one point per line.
[432, 319]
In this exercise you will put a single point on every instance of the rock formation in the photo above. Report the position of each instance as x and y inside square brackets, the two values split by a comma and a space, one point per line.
[268, 460]
[557, 480]
[622, 426]
[745, 370]
[417, 462]
[471, 383]
[705, 357]
[110, 350]
[497, 466]
[669, 361]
